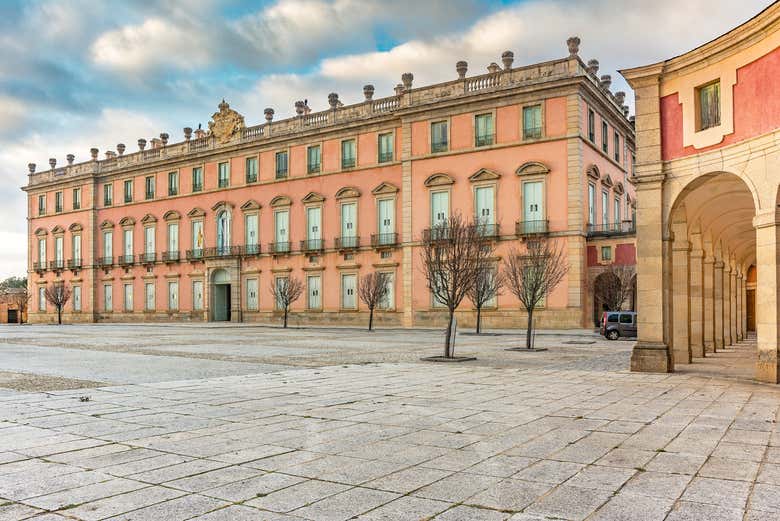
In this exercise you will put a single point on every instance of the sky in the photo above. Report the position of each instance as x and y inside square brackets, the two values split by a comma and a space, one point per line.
[78, 74]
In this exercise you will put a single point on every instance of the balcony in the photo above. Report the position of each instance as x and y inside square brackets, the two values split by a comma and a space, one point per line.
[105, 262]
[348, 162]
[128, 198]
[281, 173]
[147, 258]
[74, 264]
[251, 178]
[58, 264]
[170, 256]
[39, 266]
[194, 255]
[384, 240]
[484, 140]
[221, 251]
[347, 243]
[435, 234]
[250, 249]
[385, 157]
[487, 230]
[223, 182]
[312, 245]
[529, 228]
[611, 229]
[532, 132]
[126, 260]
[197, 187]
[313, 168]
[149, 195]
[173, 191]
[279, 248]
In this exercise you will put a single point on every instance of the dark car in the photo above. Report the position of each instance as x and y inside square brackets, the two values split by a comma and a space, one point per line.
[616, 324]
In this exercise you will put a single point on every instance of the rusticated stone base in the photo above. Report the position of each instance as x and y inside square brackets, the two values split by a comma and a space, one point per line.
[651, 357]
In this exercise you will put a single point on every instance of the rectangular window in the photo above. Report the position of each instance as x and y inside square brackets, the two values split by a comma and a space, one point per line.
[348, 153]
[41, 298]
[313, 231]
[173, 295]
[223, 175]
[251, 239]
[281, 230]
[386, 220]
[348, 291]
[76, 198]
[616, 210]
[108, 298]
[388, 301]
[591, 204]
[108, 247]
[591, 126]
[128, 289]
[128, 240]
[708, 98]
[128, 190]
[198, 240]
[313, 159]
[251, 170]
[314, 298]
[440, 208]
[606, 253]
[108, 195]
[385, 147]
[58, 202]
[251, 294]
[149, 241]
[76, 250]
[42, 205]
[197, 295]
[484, 132]
[349, 225]
[173, 183]
[173, 241]
[604, 207]
[616, 139]
[532, 122]
[280, 283]
[533, 205]
[483, 202]
[149, 296]
[604, 137]
[76, 298]
[281, 164]
[42, 252]
[149, 184]
[58, 250]
[439, 141]
[197, 179]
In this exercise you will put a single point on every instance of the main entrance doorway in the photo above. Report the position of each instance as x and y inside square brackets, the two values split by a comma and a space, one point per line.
[221, 296]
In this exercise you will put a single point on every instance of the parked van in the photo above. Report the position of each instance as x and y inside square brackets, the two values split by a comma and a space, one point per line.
[616, 324]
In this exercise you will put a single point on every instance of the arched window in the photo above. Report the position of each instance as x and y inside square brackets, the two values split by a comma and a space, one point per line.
[223, 232]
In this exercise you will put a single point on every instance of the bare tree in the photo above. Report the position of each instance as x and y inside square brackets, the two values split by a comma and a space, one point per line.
[487, 287]
[614, 286]
[372, 290]
[285, 291]
[20, 297]
[57, 294]
[533, 274]
[453, 253]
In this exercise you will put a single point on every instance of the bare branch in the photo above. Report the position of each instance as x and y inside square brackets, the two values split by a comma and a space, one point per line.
[57, 294]
[372, 290]
[285, 291]
[613, 286]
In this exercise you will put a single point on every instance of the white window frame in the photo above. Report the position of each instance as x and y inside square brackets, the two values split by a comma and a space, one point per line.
[173, 295]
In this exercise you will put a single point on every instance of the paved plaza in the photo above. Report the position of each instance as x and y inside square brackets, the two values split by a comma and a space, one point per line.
[254, 423]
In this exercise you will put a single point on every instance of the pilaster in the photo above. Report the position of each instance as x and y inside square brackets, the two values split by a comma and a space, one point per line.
[767, 298]
[406, 223]
[697, 303]
[727, 338]
[733, 306]
[681, 349]
[708, 301]
[718, 296]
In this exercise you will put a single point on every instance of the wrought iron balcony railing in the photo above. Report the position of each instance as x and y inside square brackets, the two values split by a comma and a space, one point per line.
[437, 233]
[439, 146]
[39, 266]
[250, 249]
[57, 264]
[147, 258]
[277, 248]
[610, 229]
[149, 195]
[384, 240]
[105, 261]
[194, 255]
[348, 162]
[313, 168]
[222, 251]
[532, 132]
[310, 245]
[197, 187]
[74, 264]
[126, 260]
[347, 243]
[385, 157]
[487, 230]
[483, 140]
[170, 256]
[525, 228]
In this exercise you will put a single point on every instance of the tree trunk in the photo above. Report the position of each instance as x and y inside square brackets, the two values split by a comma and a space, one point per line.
[59, 315]
[479, 319]
[370, 318]
[529, 329]
[447, 346]
[285, 318]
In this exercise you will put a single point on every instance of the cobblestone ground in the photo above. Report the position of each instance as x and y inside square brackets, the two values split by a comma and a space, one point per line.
[563, 434]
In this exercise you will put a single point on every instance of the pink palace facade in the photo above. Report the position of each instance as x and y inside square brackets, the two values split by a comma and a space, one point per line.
[200, 229]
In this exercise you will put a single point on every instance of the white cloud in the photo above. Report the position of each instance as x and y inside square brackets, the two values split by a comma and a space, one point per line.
[153, 44]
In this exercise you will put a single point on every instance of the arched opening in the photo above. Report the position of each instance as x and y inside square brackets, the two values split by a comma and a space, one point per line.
[220, 290]
[712, 243]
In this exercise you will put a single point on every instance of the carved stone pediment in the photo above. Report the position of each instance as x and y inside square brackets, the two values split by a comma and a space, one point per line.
[483, 174]
[40, 232]
[172, 215]
[439, 180]
[593, 172]
[281, 200]
[606, 181]
[619, 188]
[225, 123]
[196, 212]
[347, 192]
[75, 227]
[106, 225]
[149, 218]
[385, 188]
[250, 205]
[533, 168]
[57, 230]
[313, 197]
[222, 205]
[127, 221]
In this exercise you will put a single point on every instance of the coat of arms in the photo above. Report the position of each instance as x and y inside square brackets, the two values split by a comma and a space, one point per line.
[225, 123]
